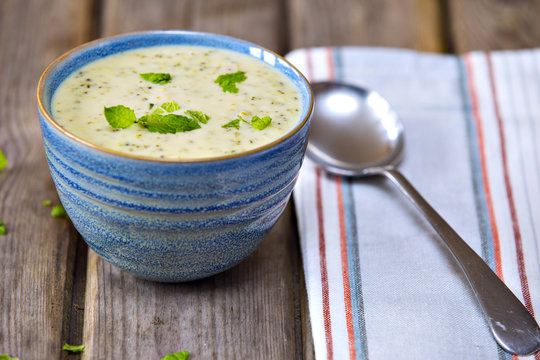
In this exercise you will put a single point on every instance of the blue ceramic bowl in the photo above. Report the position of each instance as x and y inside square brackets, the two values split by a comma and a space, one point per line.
[165, 220]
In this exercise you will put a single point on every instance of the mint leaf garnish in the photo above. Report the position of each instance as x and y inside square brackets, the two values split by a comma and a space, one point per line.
[7, 357]
[73, 348]
[259, 123]
[234, 123]
[256, 122]
[166, 107]
[228, 81]
[120, 116]
[198, 116]
[3, 231]
[47, 202]
[3, 161]
[144, 119]
[58, 211]
[168, 124]
[157, 78]
[170, 106]
[159, 111]
[182, 355]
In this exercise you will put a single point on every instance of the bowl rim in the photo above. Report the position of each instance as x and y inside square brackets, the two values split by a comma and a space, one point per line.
[88, 45]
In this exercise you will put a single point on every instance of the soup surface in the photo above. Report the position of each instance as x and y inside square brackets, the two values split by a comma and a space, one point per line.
[177, 102]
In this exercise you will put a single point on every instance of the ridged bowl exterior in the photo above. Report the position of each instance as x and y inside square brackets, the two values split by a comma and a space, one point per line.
[165, 220]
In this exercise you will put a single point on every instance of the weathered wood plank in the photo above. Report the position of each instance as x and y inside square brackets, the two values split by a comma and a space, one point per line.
[245, 313]
[36, 256]
[304, 328]
[410, 23]
[257, 21]
[494, 25]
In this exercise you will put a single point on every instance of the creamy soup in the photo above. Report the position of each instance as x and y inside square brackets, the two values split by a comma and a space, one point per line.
[177, 102]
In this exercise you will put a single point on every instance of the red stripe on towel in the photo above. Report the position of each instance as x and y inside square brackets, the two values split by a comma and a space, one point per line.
[324, 269]
[485, 181]
[330, 59]
[345, 268]
[509, 193]
[343, 238]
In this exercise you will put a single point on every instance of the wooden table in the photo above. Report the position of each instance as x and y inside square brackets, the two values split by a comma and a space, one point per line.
[53, 290]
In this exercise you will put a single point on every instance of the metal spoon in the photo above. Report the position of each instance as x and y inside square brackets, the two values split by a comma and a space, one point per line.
[356, 133]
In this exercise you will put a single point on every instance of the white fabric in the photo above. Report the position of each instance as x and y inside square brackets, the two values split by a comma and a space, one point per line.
[381, 284]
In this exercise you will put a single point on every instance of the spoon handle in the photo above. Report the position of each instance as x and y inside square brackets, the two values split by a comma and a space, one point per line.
[511, 324]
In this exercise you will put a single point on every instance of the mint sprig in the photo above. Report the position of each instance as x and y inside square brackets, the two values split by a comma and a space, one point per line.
[166, 107]
[7, 357]
[232, 124]
[58, 211]
[256, 122]
[182, 355]
[159, 111]
[198, 116]
[168, 124]
[3, 161]
[259, 123]
[73, 348]
[228, 81]
[157, 78]
[120, 116]
[170, 106]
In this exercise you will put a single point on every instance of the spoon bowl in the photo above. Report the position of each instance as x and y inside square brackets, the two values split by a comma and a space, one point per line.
[346, 146]
[355, 132]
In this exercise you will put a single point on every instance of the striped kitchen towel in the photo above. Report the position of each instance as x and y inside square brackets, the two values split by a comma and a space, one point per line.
[381, 284]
